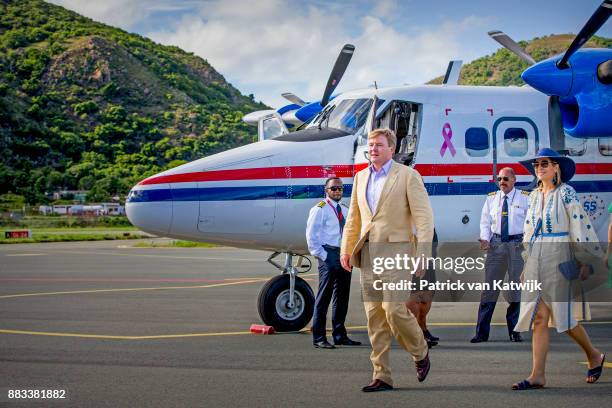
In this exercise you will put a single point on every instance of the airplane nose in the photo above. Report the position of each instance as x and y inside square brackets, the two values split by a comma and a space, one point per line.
[150, 209]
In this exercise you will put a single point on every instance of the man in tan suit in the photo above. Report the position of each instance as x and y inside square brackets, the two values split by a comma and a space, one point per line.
[387, 201]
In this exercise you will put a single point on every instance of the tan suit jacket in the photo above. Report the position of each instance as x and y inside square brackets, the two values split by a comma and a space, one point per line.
[403, 204]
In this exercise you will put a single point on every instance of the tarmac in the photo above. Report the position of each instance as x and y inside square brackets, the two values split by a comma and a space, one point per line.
[118, 326]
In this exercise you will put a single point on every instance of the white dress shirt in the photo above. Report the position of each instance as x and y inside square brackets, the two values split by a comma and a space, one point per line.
[323, 227]
[376, 183]
[490, 218]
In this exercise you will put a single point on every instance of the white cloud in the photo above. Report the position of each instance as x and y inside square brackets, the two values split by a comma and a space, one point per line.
[124, 13]
[280, 46]
[275, 46]
[385, 8]
[118, 13]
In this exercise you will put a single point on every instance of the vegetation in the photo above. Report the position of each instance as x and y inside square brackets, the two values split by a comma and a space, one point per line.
[85, 106]
[503, 68]
[70, 235]
[62, 221]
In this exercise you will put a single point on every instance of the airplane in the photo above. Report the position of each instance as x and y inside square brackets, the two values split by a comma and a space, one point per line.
[457, 137]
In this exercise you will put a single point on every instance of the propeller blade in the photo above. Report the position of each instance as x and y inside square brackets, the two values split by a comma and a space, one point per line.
[293, 98]
[511, 45]
[555, 125]
[599, 17]
[339, 67]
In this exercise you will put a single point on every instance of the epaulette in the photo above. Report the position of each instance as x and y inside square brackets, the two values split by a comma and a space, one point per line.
[344, 205]
[492, 193]
[523, 192]
[321, 204]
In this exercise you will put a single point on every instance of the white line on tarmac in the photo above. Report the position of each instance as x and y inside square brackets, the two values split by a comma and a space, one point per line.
[25, 254]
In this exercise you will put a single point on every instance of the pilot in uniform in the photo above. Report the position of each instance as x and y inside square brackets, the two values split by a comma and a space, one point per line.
[323, 234]
[501, 234]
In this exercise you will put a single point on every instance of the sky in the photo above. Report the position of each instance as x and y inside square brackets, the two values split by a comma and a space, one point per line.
[267, 47]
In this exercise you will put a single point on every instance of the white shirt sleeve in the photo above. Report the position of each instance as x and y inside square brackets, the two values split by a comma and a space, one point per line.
[313, 237]
[485, 221]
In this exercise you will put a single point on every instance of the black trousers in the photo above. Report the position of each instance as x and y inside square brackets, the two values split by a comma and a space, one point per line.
[334, 284]
[502, 258]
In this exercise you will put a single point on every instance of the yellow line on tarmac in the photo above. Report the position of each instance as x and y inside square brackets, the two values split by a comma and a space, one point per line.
[108, 337]
[187, 335]
[606, 365]
[467, 324]
[76, 292]
[90, 336]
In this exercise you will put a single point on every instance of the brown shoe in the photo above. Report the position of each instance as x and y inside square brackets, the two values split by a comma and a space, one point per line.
[422, 368]
[377, 385]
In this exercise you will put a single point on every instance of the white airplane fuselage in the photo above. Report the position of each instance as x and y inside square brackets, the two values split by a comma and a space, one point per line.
[258, 196]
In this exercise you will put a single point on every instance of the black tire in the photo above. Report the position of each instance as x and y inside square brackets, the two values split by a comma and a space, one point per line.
[273, 298]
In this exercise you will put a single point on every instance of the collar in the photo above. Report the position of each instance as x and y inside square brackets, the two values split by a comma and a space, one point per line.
[384, 170]
[509, 195]
[333, 202]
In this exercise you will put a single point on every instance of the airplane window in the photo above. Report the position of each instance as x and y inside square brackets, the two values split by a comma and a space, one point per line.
[477, 142]
[515, 142]
[271, 128]
[349, 115]
[575, 146]
[605, 146]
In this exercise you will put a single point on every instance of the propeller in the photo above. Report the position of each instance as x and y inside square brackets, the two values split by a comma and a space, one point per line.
[599, 17]
[293, 98]
[511, 45]
[339, 67]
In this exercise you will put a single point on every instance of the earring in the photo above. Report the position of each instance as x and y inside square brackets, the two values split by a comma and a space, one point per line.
[555, 179]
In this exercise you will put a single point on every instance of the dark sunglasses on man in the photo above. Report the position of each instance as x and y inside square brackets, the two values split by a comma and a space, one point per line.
[505, 178]
[335, 188]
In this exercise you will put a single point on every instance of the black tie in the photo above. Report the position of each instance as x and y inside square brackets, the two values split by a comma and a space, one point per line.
[340, 217]
[504, 221]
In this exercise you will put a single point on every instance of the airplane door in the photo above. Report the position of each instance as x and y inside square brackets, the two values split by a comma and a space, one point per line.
[514, 139]
[236, 206]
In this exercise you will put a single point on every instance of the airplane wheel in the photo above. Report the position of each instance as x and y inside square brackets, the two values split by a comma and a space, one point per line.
[274, 307]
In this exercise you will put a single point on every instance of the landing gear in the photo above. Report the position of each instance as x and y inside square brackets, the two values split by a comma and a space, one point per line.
[286, 302]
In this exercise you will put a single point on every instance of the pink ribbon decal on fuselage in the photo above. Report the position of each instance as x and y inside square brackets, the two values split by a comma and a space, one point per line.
[447, 133]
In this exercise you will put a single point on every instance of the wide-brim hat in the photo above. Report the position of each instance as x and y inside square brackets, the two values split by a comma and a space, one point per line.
[566, 165]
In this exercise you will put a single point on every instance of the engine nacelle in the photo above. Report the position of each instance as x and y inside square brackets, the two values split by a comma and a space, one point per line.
[584, 90]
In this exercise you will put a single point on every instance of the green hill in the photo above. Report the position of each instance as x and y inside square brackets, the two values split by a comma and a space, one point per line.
[87, 106]
[503, 68]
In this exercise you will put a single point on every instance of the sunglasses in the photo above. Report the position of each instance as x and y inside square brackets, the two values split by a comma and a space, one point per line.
[334, 188]
[499, 178]
[544, 164]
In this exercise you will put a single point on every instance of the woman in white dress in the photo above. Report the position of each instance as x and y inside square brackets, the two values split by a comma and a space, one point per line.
[555, 221]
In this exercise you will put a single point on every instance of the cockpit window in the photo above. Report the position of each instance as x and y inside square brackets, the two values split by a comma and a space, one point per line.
[347, 115]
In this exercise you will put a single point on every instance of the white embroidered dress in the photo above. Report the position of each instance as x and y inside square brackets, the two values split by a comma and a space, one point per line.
[564, 222]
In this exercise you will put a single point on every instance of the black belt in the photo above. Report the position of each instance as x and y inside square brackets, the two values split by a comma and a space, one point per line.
[516, 236]
[331, 247]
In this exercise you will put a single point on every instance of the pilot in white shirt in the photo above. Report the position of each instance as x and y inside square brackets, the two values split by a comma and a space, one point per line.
[501, 234]
[323, 234]
[490, 218]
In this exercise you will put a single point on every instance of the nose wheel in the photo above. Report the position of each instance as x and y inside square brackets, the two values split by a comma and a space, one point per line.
[286, 302]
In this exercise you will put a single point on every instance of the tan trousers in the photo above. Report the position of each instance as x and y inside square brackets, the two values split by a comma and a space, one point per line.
[385, 321]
